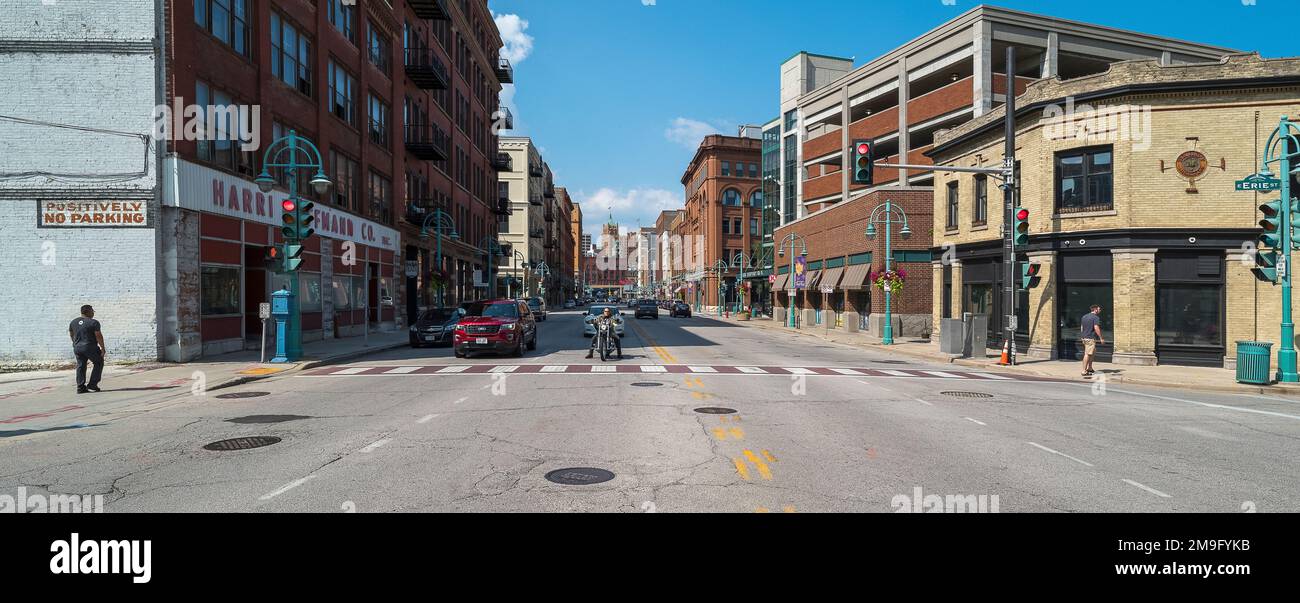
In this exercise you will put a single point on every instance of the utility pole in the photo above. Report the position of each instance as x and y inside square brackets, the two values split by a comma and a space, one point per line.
[1009, 206]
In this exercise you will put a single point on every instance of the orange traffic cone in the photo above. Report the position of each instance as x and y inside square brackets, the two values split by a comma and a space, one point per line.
[1006, 354]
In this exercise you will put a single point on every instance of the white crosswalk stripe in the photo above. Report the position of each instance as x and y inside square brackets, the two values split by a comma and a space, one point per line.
[702, 369]
[603, 368]
[942, 374]
[846, 371]
[352, 371]
[753, 370]
[459, 368]
[801, 371]
[555, 368]
[992, 376]
[509, 368]
[402, 369]
[652, 368]
[896, 373]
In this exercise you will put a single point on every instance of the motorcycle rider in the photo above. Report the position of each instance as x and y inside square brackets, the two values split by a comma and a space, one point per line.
[607, 316]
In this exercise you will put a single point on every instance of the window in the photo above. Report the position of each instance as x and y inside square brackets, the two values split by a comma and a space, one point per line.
[344, 178]
[342, 93]
[226, 20]
[753, 226]
[753, 170]
[309, 292]
[726, 227]
[381, 194]
[220, 141]
[219, 291]
[735, 226]
[981, 216]
[731, 196]
[756, 199]
[342, 15]
[1084, 180]
[726, 168]
[379, 50]
[378, 121]
[952, 205]
[290, 55]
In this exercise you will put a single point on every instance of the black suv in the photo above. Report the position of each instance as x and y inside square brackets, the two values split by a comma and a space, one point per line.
[680, 309]
[434, 326]
[647, 307]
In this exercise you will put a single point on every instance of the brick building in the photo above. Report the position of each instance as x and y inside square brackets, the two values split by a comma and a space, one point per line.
[577, 248]
[721, 220]
[906, 97]
[1128, 177]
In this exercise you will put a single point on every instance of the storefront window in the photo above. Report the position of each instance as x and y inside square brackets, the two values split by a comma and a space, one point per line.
[342, 286]
[1188, 315]
[309, 292]
[219, 291]
[1077, 299]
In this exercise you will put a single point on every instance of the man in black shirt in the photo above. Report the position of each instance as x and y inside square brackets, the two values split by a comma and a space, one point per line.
[1090, 335]
[88, 345]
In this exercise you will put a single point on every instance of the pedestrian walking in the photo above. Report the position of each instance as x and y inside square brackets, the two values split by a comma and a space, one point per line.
[88, 345]
[1090, 334]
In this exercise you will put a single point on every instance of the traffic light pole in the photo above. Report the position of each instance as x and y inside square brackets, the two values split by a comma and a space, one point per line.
[1287, 144]
[1009, 203]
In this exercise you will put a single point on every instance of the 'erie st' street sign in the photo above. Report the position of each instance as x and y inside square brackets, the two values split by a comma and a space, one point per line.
[1258, 182]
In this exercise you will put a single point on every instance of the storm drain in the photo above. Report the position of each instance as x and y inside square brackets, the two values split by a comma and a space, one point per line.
[266, 419]
[235, 395]
[646, 384]
[242, 443]
[579, 476]
[715, 410]
[967, 394]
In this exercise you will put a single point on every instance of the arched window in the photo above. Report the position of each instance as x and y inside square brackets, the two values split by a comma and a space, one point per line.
[756, 199]
[731, 196]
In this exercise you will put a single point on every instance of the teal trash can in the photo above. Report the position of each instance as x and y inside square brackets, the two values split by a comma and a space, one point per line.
[1253, 359]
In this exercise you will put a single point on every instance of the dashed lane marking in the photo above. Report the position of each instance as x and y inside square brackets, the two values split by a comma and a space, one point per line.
[1147, 488]
[1059, 453]
[371, 447]
[426, 418]
[975, 421]
[287, 487]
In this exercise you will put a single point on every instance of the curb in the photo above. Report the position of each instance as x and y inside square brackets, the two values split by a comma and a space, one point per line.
[1234, 388]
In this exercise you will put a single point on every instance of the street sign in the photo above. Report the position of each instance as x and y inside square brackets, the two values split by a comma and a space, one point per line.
[1258, 182]
[771, 278]
[412, 269]
[827, 289]
[264, 310]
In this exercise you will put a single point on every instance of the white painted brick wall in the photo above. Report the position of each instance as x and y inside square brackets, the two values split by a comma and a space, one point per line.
[114, 270]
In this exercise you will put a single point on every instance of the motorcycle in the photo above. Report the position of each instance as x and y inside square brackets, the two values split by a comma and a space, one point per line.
[604, 340]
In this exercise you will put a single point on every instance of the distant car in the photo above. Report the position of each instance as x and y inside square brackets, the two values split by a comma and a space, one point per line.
[568, 303]
[589, 330]
[632, 303]
[680, 309]
[499, 325]
[538, 306]
[434, 326]
[647, 307]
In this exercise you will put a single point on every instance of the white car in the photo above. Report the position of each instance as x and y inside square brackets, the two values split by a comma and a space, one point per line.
[589, 329]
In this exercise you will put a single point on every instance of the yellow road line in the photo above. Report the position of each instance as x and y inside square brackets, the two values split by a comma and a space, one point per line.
[768, 455]
[737, 433]
[789, 509]
[762, 467]
[719, 433]
[741, 468]
[761, 510]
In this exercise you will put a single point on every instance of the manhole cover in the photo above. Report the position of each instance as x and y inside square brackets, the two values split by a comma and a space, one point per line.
[243, 395]
[646, 384]
[579, 476]
[715, 410]
[242, 443]
[266, 419]
[967, 394]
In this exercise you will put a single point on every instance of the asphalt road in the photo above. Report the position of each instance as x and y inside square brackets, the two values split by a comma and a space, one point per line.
[389, 434]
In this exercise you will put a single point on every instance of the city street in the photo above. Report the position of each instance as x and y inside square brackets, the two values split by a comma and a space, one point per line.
[817, 427]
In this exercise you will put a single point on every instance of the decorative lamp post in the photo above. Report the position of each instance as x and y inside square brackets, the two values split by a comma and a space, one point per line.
[888, 213]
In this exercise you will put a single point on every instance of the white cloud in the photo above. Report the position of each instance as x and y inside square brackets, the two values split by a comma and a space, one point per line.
[689, 132]
[627, 206]
[518, 45]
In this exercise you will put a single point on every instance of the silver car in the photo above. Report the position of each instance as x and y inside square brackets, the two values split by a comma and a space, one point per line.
[589, 329]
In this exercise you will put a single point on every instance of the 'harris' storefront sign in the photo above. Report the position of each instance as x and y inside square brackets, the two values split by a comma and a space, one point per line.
[199, 188]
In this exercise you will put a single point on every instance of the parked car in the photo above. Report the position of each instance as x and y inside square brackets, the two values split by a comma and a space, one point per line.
[537, 305]
[680, 308]
[647, 307]
[632, 303]
[500, 325]
[569, 304]
[434, 326]
[589, 330]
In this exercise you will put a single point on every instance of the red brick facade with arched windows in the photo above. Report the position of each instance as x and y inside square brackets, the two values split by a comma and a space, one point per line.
[721, 163]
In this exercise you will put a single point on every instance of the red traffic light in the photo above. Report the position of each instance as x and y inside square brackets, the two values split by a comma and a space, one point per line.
[1032, 269]
[1022, 214]
[288, 205]
[273, 252]
[863, 148]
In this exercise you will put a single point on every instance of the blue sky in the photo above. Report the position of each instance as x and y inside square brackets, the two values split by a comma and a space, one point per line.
[618, 93]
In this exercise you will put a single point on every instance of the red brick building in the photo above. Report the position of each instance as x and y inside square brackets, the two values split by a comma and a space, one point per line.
[400, 98]
[722, 216]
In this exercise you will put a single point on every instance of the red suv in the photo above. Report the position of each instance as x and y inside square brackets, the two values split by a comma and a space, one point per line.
[499, 325]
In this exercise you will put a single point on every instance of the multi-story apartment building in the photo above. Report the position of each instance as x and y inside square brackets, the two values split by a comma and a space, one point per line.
[579, 243]
[1132, 206]
[901, 100]
[724, 203]
[526, 184]
[663, 252]
[563, 267]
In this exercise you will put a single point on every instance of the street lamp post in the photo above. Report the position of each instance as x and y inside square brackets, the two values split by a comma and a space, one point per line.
[888, 213]
[292, 153]
[491, 248]
[442, 223]
[720, 269]
[780, 251]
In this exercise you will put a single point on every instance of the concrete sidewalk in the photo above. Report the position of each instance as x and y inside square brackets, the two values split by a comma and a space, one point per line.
[217, 372]
[1180, 377]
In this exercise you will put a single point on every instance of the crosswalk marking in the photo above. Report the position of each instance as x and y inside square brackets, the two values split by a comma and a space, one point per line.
[702, 369]
[455, 368]
[844, 371]
[402, 369]
[507, 368]
[351, 371]
[942, 374]
[993, 376]
[753, 370]
[652, 368]
[555, 368]
[801, 371]
[603, 368]
[896, 373]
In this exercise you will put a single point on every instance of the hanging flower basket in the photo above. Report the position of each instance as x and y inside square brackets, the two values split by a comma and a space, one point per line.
[889, 280]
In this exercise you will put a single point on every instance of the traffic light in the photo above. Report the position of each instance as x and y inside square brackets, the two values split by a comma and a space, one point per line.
[1029, 275]
[297, 219]
[1021, 232]
[292, 256]
[1270, 239]
[863, 163]
[274, 259]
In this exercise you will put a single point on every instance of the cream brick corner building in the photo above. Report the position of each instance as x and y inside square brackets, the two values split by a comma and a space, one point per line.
[1128, 176]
